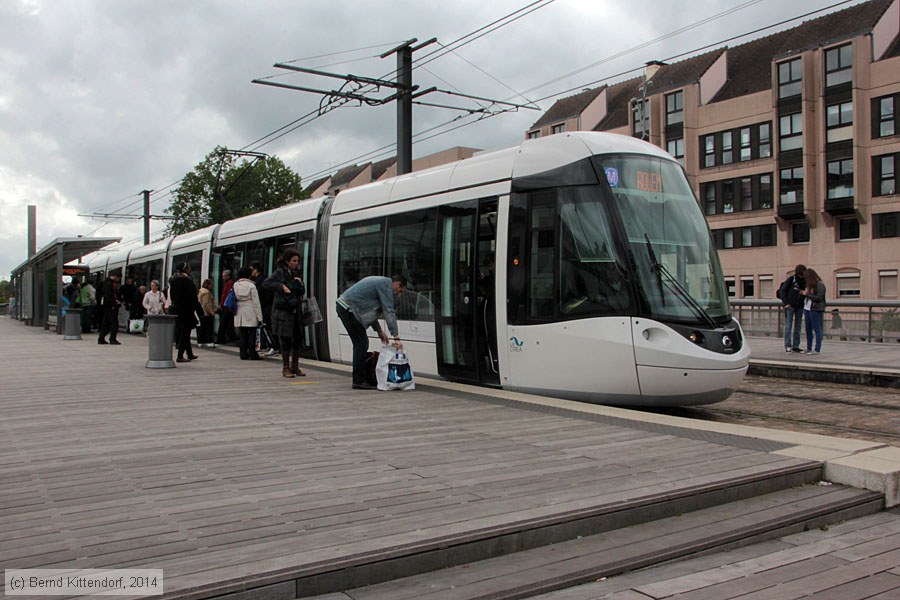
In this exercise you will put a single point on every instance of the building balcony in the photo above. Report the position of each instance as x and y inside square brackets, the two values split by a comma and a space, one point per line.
[791, 211]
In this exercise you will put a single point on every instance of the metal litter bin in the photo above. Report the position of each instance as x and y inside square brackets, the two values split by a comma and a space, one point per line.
[73, 324]
[161, 335]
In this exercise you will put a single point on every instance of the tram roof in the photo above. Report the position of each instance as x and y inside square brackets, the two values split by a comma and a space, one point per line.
[290, 214]
[531, 157]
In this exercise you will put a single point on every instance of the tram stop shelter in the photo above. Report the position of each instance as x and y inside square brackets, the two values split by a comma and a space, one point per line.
[38, 282]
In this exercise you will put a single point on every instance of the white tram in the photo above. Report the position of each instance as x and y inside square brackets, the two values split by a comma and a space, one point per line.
[577, 265]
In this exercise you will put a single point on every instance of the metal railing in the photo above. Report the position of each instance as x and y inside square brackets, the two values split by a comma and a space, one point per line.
[875, 321]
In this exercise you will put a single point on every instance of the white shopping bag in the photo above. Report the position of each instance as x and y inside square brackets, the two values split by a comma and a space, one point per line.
[393, 371]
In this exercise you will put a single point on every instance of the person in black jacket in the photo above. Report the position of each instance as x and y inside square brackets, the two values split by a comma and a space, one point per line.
[789, 294]
[109, 308]
[287, 315]
[183, 293]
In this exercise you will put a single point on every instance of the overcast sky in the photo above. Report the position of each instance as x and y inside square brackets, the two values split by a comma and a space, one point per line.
[100, 99]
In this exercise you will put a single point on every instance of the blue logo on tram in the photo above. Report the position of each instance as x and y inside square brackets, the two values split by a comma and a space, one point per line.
[612, 176]
[515, 345]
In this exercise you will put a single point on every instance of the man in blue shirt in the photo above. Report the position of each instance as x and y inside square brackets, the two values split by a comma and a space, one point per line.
[359, 307]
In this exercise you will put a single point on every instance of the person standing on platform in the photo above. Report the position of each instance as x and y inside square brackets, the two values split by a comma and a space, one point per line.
[814, 309]
[249, 314]
[109, 306]
[183, 294]
[359, 307]
[154, 300]
[87, 297]
[226, 333]
[265, 300]
[789, 294]
[208, 320]
[287, 315]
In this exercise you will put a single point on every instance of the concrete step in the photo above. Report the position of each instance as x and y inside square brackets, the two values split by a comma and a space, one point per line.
[557, 566]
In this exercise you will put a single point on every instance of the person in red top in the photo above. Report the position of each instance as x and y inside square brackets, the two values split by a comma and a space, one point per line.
[226, 334]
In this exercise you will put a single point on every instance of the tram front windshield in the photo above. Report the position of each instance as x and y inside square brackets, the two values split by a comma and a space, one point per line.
[677, 264]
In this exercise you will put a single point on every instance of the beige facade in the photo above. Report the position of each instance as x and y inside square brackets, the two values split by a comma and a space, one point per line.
[791, 143]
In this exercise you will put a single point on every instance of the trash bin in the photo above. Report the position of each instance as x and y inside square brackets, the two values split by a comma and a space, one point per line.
[72, 324]
[161, 335]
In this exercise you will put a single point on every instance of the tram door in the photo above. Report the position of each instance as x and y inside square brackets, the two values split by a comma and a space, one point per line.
[466, 328]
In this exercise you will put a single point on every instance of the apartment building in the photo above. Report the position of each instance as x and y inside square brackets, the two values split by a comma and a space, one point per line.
[791, 142]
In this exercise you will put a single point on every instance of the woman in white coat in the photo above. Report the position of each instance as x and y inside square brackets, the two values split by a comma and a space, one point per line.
[249, 314]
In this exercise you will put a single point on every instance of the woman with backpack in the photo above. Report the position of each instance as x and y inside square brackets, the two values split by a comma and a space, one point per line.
[814, 309]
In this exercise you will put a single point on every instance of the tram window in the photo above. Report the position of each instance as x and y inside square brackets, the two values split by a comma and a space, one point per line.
[411, 245]
[361, 252]
[194, 261]
[542, 255]
[591, 280]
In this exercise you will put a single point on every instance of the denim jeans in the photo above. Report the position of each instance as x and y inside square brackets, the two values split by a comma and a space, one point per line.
[793, 317]
[360, 343]
[813, 326]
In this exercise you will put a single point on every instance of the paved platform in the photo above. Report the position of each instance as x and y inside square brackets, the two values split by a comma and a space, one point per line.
[840, 361]
[232, 478]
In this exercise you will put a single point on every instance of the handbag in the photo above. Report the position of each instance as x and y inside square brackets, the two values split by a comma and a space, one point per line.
[311, 312]
[231, 302]
[136, 326]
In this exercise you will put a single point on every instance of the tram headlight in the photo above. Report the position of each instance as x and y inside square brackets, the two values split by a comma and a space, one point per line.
[697, 338]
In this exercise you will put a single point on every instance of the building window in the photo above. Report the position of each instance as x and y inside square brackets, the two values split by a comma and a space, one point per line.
[790, 78]
[640, 118]
[791, 185]
[558, 128]
[730, 286]
[800, 233]
[746, 144]
[840, 178]
[887, 284]
[884, 116]
[709, 194]
[790, 131]
[766, 286]
[747, 288]
[838, 65]
[847, 285]
[727, 152]
[848, 229]
[754, 141]
[727, 197]
[709, 150]
[533, 135]
[885, 174]
[886, 225]
[839, 115]
[756, 236]
[765, 140]
[746, 193]
[675, 108]
[676, 149]
[765, 191]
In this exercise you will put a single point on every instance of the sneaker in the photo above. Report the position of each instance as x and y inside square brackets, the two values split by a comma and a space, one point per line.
[813, 352]
[788, 350]
[270, 352]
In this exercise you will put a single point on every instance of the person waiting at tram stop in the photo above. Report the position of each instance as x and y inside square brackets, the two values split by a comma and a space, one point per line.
[109, 307]
[248, 315]
[814, 310]
[287, 313]
[792, 301]
[208, 319]
[359, 307]
[183, 294]
[87, 297]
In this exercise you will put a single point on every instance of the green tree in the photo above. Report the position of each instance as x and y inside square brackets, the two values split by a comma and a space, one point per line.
[246, 185]
[5, 290]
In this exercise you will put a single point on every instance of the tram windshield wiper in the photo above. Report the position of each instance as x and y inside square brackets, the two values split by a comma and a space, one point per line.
[664, 275]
